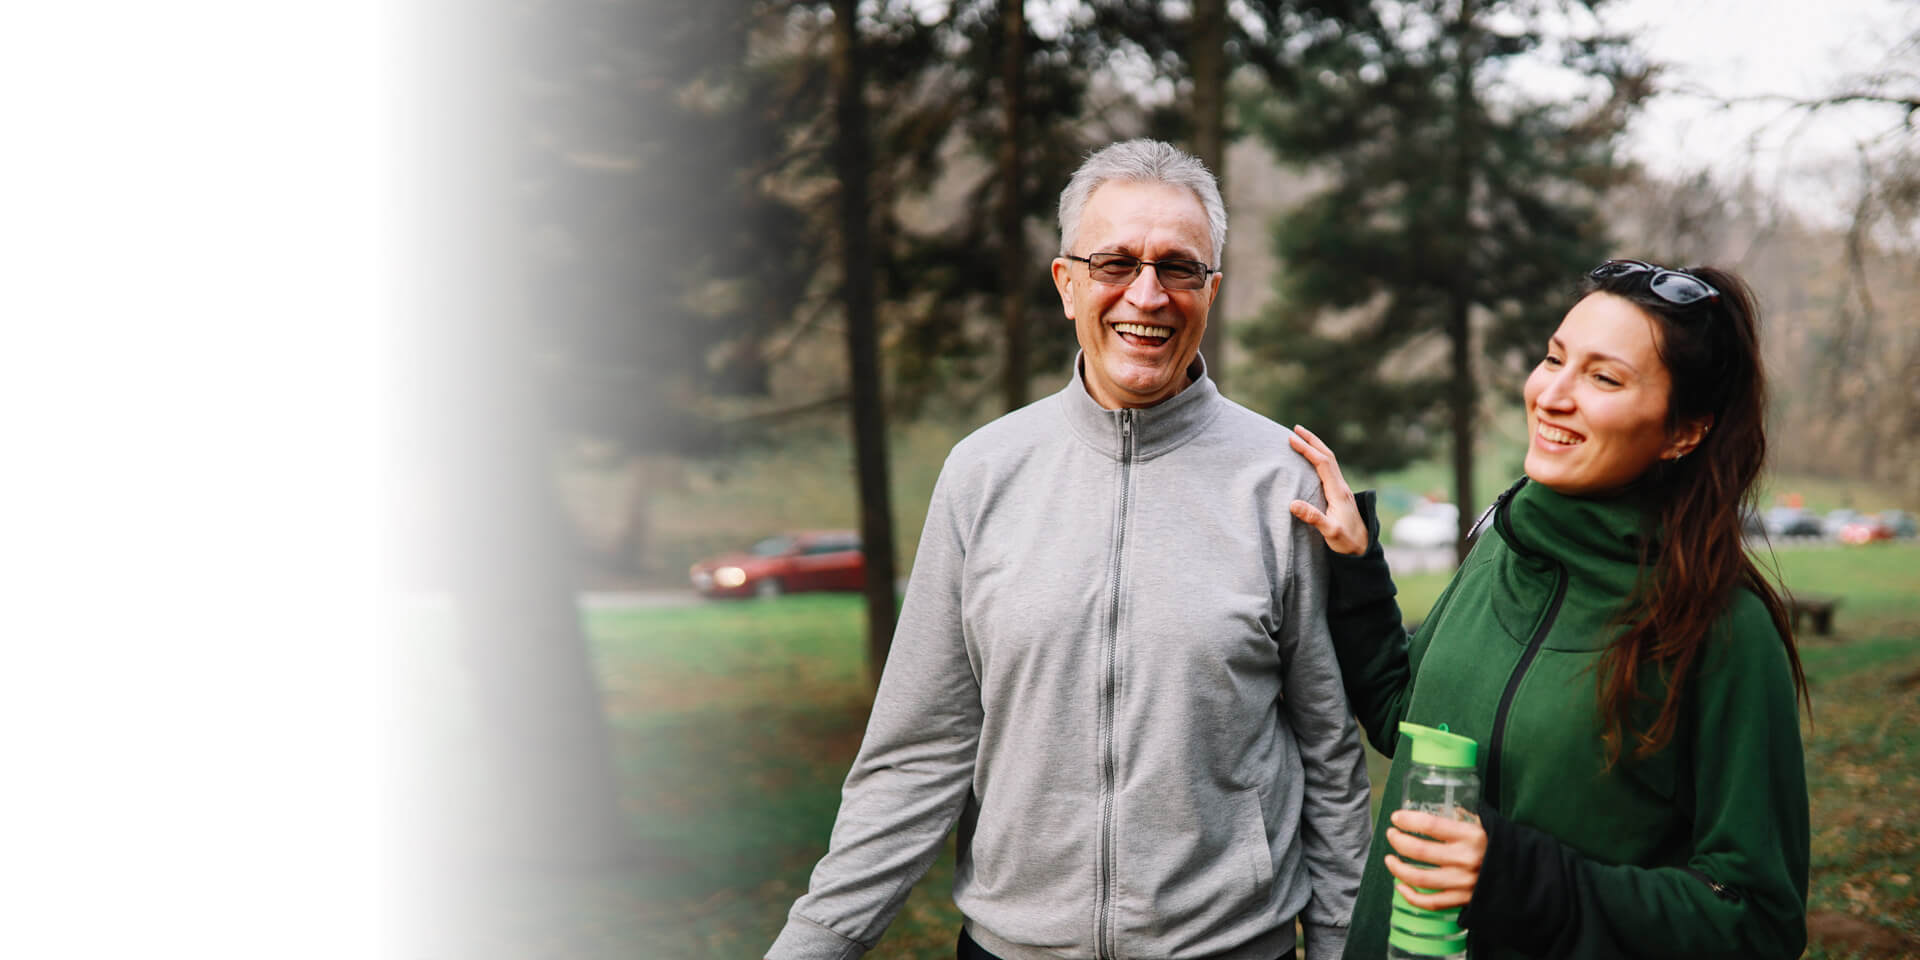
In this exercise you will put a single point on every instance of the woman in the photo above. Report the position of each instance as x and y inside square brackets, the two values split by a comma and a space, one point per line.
[1629, 675]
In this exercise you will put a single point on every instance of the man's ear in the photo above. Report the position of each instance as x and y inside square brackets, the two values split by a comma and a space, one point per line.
[1686, 437]
[1063, 282]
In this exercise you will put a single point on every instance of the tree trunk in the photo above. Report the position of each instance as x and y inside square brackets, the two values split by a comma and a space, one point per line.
[633, 545]
[1462, 398]
[1209, 61]
[1464, 395]
[852, 162]
[503, 760]
[1013, 234]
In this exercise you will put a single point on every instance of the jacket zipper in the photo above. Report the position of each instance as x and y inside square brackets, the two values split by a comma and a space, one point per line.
[1719, 889]
[1495, 740]
[1103, 937]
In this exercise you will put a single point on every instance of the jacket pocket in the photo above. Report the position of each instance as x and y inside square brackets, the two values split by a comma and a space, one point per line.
[1250, 836]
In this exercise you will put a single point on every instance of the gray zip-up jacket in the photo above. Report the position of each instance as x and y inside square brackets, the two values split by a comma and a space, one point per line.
[1113, 672]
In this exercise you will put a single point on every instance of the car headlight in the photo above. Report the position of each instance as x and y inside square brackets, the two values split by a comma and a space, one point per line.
[729, 576]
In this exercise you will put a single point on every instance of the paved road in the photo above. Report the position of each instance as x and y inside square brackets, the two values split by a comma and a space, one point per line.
[641, 599]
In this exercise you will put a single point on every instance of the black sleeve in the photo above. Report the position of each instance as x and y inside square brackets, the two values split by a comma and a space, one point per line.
[1524, 897]
[1369, 637]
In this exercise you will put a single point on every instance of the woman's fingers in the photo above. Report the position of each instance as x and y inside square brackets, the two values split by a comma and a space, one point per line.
[1314, 456]
[1438, 853]
[1339, 523]
[1450, 853]
[1444, 829]
[1314, 439]
[1431, 899]
[1432, 879]
[1309, 515]
[1324, 462]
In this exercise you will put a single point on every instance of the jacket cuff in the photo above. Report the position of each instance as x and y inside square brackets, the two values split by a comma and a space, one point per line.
[1360, 579]
[1324, 941]
[802, 939]
[1524, 898]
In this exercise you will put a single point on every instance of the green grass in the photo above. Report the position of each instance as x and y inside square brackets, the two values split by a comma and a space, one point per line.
[734, 724]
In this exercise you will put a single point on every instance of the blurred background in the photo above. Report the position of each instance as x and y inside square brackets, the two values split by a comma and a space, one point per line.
[718, 284]
[518, 421]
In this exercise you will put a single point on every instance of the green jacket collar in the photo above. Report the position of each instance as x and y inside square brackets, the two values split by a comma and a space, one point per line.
[1598, 540]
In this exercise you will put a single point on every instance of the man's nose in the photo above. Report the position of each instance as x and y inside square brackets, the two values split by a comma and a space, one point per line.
[1145, 292]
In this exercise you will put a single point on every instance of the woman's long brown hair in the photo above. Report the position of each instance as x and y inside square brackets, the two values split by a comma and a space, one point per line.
[1697, 560]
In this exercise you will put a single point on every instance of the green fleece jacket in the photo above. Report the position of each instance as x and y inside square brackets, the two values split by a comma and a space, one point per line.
[1698, 851]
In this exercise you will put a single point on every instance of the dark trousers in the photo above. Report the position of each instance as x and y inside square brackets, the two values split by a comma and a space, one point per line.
[968, 950]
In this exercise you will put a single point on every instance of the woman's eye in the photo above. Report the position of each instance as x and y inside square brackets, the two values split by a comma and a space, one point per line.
[1609, 381]
[1551, 360]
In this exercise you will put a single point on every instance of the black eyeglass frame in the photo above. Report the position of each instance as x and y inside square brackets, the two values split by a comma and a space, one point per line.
[1662, 283]
[1138, 264]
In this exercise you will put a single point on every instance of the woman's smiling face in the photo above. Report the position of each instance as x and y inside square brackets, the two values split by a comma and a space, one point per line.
[1597, 402]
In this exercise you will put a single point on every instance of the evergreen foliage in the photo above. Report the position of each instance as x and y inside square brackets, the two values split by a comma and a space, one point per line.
[1460, 212]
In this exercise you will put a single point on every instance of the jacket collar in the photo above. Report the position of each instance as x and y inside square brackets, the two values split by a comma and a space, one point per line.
[1156, 429]
[1598, 539]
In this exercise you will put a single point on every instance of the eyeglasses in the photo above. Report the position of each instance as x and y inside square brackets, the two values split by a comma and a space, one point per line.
[1673, 286]
[1118, 268]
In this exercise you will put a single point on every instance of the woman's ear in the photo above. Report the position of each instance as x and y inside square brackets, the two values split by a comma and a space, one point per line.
[1686, 437]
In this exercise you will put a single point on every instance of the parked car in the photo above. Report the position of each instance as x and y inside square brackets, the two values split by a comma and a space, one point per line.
[1900, 522]
[1836, 520]
[789, 563]
[1792, 522]
[1431, 524]
[1865, 528]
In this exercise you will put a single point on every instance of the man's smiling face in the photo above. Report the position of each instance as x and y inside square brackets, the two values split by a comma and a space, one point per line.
[1140, 337]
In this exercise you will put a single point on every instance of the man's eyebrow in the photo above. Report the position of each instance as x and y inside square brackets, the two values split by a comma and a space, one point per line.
[1170, 253]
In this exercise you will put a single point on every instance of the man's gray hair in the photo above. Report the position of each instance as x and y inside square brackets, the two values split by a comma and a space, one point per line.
[1142, 161]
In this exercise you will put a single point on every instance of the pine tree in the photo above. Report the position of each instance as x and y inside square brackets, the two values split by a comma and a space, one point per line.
[1460, 214]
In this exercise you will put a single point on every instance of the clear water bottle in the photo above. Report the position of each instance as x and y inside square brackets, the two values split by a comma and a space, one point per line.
[1441, 780]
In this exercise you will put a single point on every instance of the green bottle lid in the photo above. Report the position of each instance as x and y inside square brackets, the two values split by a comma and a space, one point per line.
[1426, 946]
[1435, 747]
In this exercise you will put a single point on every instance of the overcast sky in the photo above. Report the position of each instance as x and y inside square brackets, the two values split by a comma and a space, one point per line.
[1746, 48]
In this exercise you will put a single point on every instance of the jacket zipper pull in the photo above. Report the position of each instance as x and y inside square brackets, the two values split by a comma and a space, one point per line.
[1719, 889]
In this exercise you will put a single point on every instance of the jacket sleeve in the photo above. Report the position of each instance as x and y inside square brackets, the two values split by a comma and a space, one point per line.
[1743, 890]
[1335, 822]
[915, 765]
[1369, 637]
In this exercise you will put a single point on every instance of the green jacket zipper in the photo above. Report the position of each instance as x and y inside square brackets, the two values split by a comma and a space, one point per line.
[1103, 936]
[1495, 739]
[1719, 889]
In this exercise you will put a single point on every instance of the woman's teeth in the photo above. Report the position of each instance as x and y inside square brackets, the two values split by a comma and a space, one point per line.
[1557, 435]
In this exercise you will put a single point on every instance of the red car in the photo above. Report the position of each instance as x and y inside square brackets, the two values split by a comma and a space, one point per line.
[790, 563]
[1866, 529]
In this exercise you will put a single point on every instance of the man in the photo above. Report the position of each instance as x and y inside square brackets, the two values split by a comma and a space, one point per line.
[1112, 670]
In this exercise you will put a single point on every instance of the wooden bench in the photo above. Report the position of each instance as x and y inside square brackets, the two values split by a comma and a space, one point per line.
[1815, 607]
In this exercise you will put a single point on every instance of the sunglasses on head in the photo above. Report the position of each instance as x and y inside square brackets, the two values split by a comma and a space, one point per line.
[1674, 286]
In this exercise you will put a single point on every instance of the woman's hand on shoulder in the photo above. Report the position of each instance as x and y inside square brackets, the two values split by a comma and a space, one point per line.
[1455, 848]
[1340, 524]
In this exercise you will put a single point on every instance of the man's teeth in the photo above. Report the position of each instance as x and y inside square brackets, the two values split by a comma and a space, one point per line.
[1142, 330]
[1557, 435]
